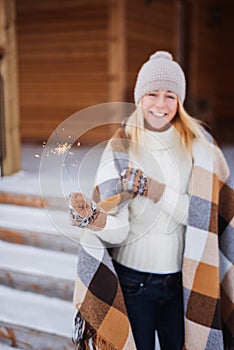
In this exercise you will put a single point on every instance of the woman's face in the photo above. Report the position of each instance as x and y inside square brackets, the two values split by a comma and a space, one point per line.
[159, 109]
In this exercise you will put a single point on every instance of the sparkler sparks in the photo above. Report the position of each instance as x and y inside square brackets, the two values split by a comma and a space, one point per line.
[62, 148]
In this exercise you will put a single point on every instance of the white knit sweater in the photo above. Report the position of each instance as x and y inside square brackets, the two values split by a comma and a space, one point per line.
[149, 236]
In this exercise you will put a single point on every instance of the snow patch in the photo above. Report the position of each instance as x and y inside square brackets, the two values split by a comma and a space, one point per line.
[27, 309]
[37, 261]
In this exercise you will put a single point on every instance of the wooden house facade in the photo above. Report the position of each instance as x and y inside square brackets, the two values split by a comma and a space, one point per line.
[73, 54]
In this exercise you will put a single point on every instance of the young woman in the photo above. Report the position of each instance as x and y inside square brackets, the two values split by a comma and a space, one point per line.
[160, 190]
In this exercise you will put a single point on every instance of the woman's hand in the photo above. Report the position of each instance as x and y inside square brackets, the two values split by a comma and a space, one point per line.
[137, 183]
[86, 213]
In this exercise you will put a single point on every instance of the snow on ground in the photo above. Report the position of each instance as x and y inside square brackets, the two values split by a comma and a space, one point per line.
[47, 314]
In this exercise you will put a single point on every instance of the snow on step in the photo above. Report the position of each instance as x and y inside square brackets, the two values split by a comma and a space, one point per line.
[43, 313]
[37, 270]
[21, 182]
[37, 261]
[31, 339]
[18, 222]
[27, 218]
[7, 347]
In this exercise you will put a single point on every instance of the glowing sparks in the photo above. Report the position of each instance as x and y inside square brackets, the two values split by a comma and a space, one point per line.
[62, 148]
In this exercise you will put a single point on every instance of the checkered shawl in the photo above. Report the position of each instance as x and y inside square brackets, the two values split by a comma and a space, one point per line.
[208, 274]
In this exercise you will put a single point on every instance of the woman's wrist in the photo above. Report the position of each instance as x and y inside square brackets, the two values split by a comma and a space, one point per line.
[154, 189]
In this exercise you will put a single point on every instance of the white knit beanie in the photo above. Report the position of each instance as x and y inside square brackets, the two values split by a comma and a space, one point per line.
[160, 72]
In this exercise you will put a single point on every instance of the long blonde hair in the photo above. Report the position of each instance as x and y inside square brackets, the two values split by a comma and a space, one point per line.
[187, 127]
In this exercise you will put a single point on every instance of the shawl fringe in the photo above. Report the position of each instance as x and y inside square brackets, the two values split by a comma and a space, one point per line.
[85, 337]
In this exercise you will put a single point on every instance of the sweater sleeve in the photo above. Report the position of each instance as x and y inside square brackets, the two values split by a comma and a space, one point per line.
[107, 180]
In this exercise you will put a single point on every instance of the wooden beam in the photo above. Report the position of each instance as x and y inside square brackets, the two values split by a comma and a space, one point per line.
[117, 51]
[184, 34]
[9, 75]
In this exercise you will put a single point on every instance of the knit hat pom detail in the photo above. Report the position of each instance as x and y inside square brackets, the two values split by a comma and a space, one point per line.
[161, 54]
[160, 72]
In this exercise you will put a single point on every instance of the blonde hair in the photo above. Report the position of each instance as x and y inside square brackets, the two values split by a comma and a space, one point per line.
[187, 127]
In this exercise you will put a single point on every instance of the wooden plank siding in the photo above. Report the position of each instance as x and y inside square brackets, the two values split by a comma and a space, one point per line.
[63, 61]
[79, 53]
[151, 26]
[209, 77]
[224, 122]
[201, 77]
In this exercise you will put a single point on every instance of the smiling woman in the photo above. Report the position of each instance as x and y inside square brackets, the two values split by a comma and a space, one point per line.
[166, 230]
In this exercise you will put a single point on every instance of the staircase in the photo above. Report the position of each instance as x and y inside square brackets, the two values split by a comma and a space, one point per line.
[37, 263]
[37, 273]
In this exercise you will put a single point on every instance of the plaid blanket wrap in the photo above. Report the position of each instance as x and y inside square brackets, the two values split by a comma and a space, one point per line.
[208, 273]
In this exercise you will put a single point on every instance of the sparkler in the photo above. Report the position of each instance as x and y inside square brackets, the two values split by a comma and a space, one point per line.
[62, 149]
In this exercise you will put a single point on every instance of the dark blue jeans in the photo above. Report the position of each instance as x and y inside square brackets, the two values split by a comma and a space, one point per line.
[153, 302]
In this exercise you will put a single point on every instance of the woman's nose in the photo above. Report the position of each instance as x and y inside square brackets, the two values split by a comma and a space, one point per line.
[159, 103]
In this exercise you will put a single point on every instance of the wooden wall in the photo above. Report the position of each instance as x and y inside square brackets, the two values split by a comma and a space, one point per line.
[78, 53]
[210, 84]
[63, 61]
[75, 54]
[151, 26]
[224, 122]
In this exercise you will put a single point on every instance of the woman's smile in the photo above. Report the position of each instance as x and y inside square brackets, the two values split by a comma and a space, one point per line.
[160, 108]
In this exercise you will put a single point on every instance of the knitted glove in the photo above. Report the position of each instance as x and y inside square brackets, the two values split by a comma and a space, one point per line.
[86, 213]
[137, 183]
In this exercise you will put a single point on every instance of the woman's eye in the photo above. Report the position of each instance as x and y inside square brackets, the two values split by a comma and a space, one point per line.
[171, 96]
[152, 94]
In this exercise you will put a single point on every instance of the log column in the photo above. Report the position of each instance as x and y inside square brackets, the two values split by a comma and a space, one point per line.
[117, 51]
[10, 135]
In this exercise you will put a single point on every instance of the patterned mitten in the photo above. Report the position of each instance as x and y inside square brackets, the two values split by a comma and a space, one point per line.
[86, 213]
[136, 182]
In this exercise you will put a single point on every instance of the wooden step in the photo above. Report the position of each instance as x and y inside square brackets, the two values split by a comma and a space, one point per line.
[33, 321]
[39, 239]
[33, 226]
[4, 346]
[37, 270]
[18, 338]
[50, 286]
[21, 199]
[30, 200]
